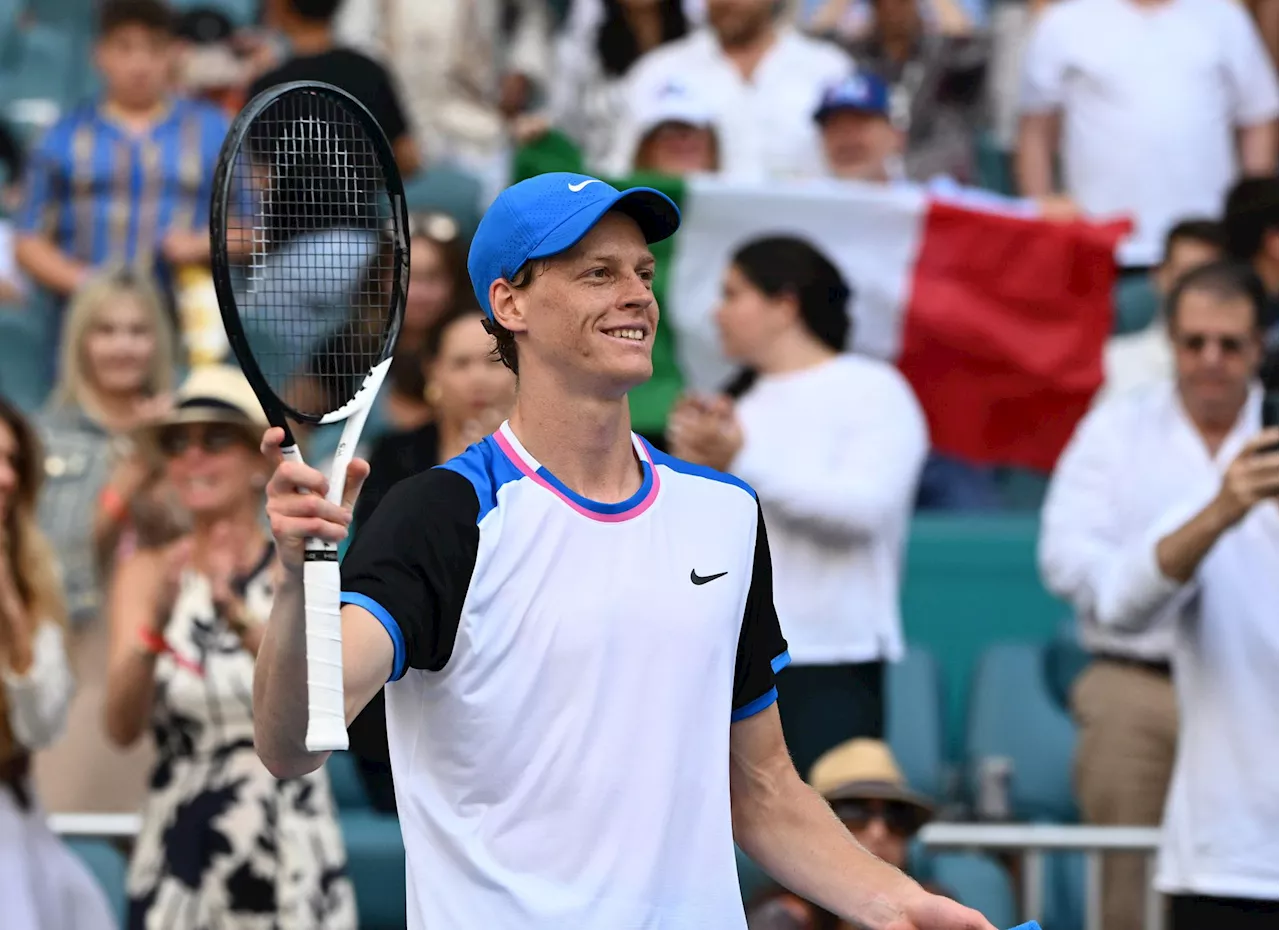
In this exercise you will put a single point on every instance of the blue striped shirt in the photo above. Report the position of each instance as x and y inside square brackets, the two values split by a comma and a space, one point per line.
[106, 196]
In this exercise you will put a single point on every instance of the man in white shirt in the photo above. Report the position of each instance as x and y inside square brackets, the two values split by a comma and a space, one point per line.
[1153, 106]
[1148, 584]
[760, 77]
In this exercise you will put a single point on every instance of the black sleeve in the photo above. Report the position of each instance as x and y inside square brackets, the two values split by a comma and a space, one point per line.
[395, 457]
[411, 564]
[389, 111]
[761, 648]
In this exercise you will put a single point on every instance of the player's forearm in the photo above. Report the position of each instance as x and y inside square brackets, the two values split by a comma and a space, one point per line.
[790, 831]
[280, 685]
[49, 266]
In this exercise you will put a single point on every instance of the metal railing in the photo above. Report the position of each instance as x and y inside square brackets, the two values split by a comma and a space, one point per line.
[1031, 841]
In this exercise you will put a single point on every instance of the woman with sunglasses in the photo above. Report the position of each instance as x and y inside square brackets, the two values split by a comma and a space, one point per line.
[42, 885]
[861, 781]
[115, 373]
[223, 843]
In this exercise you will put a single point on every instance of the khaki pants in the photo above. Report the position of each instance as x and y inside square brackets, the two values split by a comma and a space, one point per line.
[1128, 731]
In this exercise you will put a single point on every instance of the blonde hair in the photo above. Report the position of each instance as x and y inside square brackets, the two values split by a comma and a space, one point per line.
[74, 387]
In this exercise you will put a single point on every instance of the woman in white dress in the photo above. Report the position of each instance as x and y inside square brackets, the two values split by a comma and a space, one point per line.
[43, 886]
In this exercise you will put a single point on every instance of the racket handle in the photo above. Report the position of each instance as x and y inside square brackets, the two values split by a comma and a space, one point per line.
[326, 710]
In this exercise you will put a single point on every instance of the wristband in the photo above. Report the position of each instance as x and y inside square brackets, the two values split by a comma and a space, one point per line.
[153, 642]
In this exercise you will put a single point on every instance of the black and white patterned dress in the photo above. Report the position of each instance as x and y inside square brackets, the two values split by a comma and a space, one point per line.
[223, 843]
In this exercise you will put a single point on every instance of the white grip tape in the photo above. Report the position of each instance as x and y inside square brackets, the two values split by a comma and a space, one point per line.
[326, 713]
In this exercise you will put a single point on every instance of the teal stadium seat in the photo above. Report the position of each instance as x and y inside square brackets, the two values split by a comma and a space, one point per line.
[344, 782]
[108, 866]
[1013, 715]
[977, 881]
[240, 12]
[375, 861]
[25, 355]
[1136, 305]
[994, 165]
[43, 61]
[446, 190]
[914, 719]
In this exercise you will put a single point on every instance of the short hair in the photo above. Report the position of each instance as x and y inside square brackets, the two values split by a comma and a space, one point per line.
[1249, 214]
[149, 14]
[319, 11]
[1205, 231]
[504, 339]
[1223, 280]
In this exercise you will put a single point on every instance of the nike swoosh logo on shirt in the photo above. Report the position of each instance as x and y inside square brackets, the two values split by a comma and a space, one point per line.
[703, 579]
[581, 184]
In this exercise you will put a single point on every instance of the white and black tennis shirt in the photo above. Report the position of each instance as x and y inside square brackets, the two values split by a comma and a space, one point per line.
[565, 677]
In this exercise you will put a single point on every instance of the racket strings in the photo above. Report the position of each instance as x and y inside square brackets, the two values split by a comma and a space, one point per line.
[313, 224]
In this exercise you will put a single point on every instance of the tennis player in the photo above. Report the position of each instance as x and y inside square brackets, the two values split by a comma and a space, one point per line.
[576, 632]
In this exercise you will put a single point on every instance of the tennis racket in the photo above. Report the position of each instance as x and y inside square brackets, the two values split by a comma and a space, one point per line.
[310, 262]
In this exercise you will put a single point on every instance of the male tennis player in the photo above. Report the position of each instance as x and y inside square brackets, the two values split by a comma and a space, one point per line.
[576, 632]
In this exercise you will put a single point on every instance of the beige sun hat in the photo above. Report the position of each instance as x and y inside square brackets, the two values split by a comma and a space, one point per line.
[213, 394]
[865, 769]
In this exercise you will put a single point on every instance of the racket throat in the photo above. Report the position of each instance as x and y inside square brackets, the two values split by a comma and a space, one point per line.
[320, 555]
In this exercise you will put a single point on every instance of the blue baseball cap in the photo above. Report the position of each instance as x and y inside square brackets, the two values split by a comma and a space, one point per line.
[863, 91]
[548, 214]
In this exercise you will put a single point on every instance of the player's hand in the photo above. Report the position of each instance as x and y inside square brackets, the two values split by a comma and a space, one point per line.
[1252, 477]
[296, 504]
[925, 911]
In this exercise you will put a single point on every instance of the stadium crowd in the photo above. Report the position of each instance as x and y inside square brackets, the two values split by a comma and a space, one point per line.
[136, 569]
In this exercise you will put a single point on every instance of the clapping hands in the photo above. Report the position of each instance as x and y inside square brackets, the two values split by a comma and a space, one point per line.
[704, 429]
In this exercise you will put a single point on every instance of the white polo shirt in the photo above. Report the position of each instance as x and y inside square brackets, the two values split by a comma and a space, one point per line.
[1151, 97]
[1136, 470]
[837, 481]
[765, 125]
[566, 674]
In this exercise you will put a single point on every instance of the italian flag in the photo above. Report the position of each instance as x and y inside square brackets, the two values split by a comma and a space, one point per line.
[997, 320]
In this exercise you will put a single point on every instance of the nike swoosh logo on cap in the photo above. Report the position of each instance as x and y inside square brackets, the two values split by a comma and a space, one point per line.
[581, 184]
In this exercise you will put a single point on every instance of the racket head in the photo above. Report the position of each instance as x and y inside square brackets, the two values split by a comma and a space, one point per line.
[310, 250]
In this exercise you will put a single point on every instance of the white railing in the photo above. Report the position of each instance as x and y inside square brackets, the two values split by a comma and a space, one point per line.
[1032, 841]
[96, 826]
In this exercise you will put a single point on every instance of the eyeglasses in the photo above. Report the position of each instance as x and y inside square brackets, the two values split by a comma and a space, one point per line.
[900, 819]
[211, 438]
[1195, 343]
[438, 227]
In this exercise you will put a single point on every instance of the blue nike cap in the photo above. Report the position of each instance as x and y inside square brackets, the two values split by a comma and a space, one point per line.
[550, 213]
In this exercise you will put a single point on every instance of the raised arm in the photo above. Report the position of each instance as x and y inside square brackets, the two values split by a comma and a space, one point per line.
[1040, 105]
[298, 510]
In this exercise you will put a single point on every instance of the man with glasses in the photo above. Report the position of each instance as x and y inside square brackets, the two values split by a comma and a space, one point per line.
[1160, 529]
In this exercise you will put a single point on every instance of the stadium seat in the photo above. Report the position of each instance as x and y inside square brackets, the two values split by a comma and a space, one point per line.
[1012, 715]
[751, 878]
[42, 61]
[978, 881]
[1136, 305]
[994, 165]
[344, 782]
[375, 861]
[1064, 903]
[108, 866]
[25, 356]
[1064, 660]
[446, 190]
[914, 719]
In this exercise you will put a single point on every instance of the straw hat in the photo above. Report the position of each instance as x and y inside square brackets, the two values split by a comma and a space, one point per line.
[864, 769]
[213, 394]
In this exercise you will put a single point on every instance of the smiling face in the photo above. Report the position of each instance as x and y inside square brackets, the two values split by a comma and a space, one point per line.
[212, 466]
[588, 316]
[1217, 349]
[119, 347]
[466, 376]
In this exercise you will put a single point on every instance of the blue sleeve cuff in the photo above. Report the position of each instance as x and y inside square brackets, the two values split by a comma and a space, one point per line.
[780, 661]
[759, 704]
[388, 623]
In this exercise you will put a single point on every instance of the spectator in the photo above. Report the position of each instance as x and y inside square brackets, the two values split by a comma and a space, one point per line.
[1153, 106]
[437, 276]
[859, 140]
[210, 64]
[126, 180]
[43, 886]
[1137, 359]
[1144, 585]
[833, 443]
[115, 375]
[936, 71]
[593, 54]
[1250, 225]
[861, 781]
[468, 68]
[677, 134]
[470, 393]
[222, 841]
[308, 26]
[758, 76]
